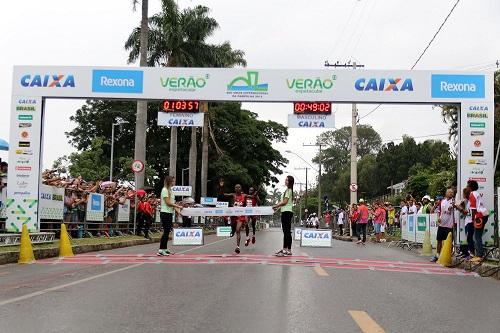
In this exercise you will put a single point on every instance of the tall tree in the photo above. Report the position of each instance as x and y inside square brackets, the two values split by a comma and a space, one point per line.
[142, 106]
[241, 144]
[179, 39]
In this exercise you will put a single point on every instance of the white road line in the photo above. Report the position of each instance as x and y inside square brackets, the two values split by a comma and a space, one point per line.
[90, 278]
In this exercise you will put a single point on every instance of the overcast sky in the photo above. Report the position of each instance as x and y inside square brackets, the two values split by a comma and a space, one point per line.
[381, 34]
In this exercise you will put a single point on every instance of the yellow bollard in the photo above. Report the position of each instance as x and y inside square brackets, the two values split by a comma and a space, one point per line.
[445, 256]
[26, 255]
[65, 249]
[427, 246]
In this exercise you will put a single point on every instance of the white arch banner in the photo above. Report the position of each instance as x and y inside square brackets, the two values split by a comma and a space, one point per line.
[473, 91]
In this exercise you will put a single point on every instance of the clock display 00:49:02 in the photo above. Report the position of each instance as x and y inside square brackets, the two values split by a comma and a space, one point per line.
[312, 108]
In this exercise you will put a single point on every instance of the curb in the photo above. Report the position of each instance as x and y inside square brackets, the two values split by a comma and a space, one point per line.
[342, 238]
[467, 265]
[12, 256]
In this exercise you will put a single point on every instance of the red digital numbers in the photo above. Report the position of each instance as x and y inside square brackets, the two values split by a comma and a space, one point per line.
[312, 108]
[181, 106]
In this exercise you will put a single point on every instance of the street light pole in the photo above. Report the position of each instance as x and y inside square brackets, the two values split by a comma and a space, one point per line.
[112, 151]
[118, 122]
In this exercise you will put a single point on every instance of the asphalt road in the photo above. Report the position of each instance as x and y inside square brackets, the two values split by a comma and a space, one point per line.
[346, 288]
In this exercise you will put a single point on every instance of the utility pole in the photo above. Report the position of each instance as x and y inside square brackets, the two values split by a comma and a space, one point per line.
[204, 151]
[354, 136]
[306, 168]
[320, 145]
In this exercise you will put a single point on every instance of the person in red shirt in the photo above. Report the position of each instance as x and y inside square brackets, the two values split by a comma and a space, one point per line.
[239, 200]
[141, 213]
[378, 219]
[362, 222]
[252, 200]
[354, 219]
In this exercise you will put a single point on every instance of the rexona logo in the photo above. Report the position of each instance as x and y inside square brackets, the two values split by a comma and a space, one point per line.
[310, 85]
[457, 86]
[117, 81]
[397, 84]
[247, 86]
[182, 83]
[48, 81]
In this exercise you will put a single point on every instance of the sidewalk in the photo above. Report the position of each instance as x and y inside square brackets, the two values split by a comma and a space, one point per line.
[10, 254]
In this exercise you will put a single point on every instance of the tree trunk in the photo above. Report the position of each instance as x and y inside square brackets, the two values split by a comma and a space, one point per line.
[204, 152]
[193, 155]
[142, 106]
[172, 168]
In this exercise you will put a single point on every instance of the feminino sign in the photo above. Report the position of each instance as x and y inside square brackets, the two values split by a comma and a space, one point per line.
[180, 119]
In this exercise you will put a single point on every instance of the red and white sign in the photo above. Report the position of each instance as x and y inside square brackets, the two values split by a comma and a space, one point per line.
[353, 187]
[137, 166]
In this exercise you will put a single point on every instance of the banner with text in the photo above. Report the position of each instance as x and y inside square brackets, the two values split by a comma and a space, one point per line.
[51, 202]
[187, 236]
[180, 119]
[228, 211]
[316, 238]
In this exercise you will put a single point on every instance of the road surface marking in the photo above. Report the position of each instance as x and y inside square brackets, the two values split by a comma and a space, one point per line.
[90, 278]
[320, 271]
[365, 322]
[44, 291]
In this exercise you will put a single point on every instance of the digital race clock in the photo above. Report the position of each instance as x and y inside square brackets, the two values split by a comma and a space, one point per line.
[312, 108]
[181, 106]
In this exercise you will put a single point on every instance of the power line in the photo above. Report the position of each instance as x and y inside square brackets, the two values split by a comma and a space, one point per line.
[418, 137]
[437, 32]
[425, 50]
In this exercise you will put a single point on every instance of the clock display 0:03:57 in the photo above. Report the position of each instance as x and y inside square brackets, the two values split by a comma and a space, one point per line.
[181, 106]
[312, 108]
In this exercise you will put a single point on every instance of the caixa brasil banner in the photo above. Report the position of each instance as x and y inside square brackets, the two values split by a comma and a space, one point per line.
[471, 91]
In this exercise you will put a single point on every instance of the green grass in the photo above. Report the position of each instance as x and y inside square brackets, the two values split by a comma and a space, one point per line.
[77, 241]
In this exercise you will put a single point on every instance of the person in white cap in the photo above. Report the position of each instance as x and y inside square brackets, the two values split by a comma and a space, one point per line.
[426, 204]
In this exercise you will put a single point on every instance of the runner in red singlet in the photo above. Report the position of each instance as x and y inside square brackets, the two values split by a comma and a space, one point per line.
[252, 200]
[239, 200]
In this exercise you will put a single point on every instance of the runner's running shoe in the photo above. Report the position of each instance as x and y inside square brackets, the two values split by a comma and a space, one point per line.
[247, 242]
[237, 250]
[163, 253]
[253, 239]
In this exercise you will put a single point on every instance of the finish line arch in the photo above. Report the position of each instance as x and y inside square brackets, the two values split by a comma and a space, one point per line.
[471, 92]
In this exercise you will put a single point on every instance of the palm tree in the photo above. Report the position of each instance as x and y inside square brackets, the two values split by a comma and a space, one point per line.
[142, 106]
[178, 39]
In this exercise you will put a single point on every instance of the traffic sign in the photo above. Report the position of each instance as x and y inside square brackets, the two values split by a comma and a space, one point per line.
[137, 166]
[353, 187]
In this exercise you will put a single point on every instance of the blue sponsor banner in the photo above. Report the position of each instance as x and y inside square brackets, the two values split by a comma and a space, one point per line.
[117, 81]
[95, 202]
[457, 86]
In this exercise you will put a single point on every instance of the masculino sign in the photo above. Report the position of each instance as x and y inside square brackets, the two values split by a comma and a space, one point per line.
[316, 238]
[188, 236]
[311, 121]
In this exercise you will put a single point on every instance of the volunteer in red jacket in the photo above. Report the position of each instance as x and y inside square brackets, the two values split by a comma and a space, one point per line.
[362, 222]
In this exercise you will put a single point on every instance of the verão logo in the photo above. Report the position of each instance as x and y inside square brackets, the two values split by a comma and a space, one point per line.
[387, 84]
[117, 81]
[48, 81]
[457, 86]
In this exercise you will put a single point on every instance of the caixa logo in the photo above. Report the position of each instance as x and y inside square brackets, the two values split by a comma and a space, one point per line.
[386, 84]
[188, 233]
[316, 235]
[48, 81]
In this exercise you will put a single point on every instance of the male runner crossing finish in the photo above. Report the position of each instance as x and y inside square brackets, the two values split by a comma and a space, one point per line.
[238, 201]
[252, 200]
